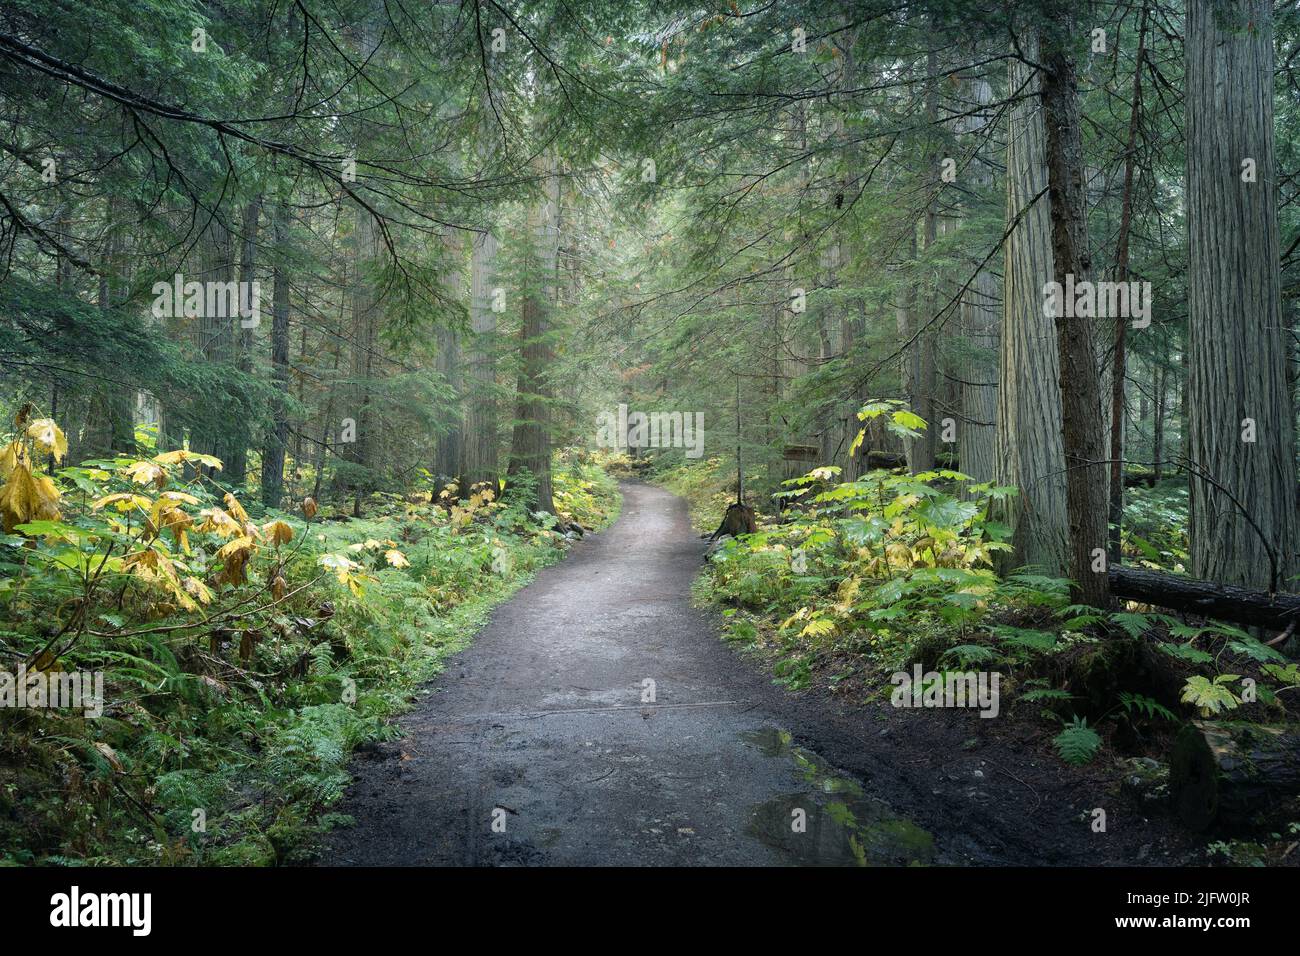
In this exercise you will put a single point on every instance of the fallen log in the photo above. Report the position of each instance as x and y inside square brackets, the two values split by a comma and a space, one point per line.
[1224, 602]
[886, 459]
[1238, 776]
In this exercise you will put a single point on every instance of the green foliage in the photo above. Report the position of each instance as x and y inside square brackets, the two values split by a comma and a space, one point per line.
[1186, 652]
[967, 656]
[1211, 696]
[887, 566]
[1155, 526]
[1135, 625]
[1078, 743]
[1140, 705]
[242, 661]
[881, 558]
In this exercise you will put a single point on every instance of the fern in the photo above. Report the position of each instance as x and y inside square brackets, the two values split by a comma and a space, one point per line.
[1078, 743]
[1187, 653]
[1026, 639]
[968, 654]
[1248, 646]
[1151, 709]
[1290, 674]
[1045, 693]
[1134, 625]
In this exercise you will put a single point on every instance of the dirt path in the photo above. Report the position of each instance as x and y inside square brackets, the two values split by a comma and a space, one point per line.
[541, 723]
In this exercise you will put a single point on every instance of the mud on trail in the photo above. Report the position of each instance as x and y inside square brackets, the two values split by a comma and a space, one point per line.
[540, 725]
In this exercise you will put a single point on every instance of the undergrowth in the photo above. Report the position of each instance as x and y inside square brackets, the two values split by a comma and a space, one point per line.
[853, 582]
[243, 654]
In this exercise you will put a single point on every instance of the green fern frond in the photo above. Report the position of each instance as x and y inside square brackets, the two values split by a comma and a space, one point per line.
[1077, 743]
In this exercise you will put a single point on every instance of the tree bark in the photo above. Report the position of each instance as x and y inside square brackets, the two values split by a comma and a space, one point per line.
[1119, 368]
[481, 415]
[1224, 602]
[980, 318]
[1030, 455]
[530, 448]
[1237, 356]
[239, 433]
[449, 445]
[273, 448]
[1158, 428]
[913, 357]
[1082, 428]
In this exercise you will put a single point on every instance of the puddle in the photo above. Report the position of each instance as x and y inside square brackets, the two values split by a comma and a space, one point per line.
[832, 822]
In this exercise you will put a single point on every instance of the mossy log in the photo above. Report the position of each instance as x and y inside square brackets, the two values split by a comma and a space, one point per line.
[1238, 776]
[1224, 602]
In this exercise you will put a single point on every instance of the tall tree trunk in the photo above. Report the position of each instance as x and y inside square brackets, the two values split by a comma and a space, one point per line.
[216, 340]
[481, 437]
[977, 438]
[1158, 428]
[1082, 425]
[110, 423]
[914, 357]
[1119, 368]
[1241, 429]
[923, 449]
[1030, 455]
[273, 448]
[531, 442]
[239, 437]
[447, 456]
[855, 330]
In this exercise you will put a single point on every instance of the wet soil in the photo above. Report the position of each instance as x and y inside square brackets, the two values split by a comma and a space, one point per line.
[599, 720]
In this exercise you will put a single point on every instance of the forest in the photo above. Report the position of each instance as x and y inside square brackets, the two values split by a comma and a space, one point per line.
[481, 418]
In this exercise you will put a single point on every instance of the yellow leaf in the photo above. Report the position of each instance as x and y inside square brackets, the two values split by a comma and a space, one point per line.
[144, 472]
[123, 501]
[243, 543]
[198, 589]
[10, 457]
[848, 589]
[217, 520]
[236, 509]
[277, 588]
[180, 455]
[857, 442]
[232, 572]
[49, 436]
[27, 498]
[798, 615]
[278, 532]
[396, 559]
[180, 497]
[897, 551]
[817, 628]
[309, 507]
